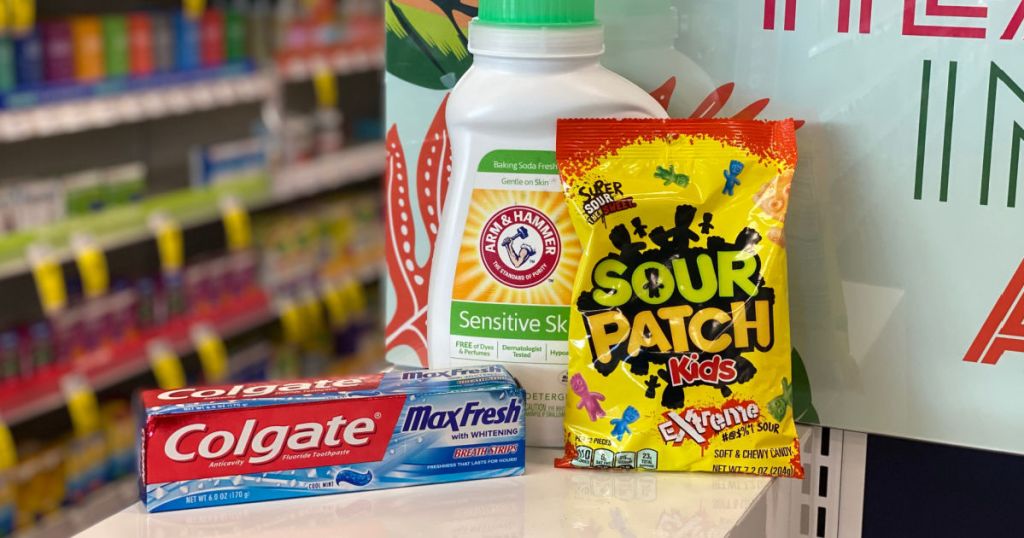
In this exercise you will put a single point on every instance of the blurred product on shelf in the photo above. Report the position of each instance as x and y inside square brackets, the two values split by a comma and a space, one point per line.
[227, 161]
[32, 203]
[186, 40]
[25, 204]
[58, 56]
[87, 49]
[327, 127]
[115, 44]
[325, 241]
[307, 137]
[298, 143]
[90, 191]
[141, 41]
[124, 184]
[28, 55]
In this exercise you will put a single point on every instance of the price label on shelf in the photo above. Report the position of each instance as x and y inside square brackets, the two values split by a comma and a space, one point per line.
[5, 17]
[312, 313]
[8, 452]
[356, 296]
[46, 271]
[22, 15]
[325, 85]
[291, 321]
[169, 242]
[213, 356]
[92, 266]
[194, 8]
[82, 405]
[166, 366]
[334, 300]
[237, 227]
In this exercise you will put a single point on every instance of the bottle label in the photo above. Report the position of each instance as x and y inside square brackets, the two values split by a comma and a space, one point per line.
[516, 264]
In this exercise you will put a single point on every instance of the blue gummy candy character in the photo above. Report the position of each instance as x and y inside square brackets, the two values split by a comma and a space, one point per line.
[348, 476]
[621, 425]
[732, 177]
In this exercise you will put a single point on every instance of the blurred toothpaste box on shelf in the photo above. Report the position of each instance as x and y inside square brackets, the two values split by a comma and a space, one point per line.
[230, 444]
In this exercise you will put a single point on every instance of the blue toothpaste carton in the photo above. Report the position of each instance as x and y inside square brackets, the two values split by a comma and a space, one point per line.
[212, 446]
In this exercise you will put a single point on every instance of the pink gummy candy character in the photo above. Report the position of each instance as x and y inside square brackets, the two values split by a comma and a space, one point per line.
[589, 400]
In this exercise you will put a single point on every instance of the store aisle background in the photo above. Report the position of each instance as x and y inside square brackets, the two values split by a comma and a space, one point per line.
[185, 197]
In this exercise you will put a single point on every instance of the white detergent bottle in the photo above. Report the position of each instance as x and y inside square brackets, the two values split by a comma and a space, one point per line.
[506, 254]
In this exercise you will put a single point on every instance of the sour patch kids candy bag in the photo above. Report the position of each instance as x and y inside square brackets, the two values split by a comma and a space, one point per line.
[680, 308]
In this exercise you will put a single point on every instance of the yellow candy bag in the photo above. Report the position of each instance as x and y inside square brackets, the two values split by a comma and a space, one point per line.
[679, 347]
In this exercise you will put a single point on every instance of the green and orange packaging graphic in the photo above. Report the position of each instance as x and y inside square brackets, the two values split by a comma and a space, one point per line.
[679, 345]
[516, 263]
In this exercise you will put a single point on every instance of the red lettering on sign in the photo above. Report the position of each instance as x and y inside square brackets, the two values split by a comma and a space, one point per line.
[865, 16]
[1003, 331]
[934, 9]
[1015, 22]
[790, 15]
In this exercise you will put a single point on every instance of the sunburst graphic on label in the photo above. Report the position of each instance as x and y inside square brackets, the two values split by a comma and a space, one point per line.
[518, 247]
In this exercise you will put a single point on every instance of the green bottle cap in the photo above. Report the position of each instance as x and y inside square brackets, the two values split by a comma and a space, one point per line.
[538, 12]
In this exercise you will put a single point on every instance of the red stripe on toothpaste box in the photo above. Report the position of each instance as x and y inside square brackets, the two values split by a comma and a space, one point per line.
[255, 391]
[228, 444]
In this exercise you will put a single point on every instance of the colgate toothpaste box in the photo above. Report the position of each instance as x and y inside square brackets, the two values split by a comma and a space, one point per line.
[210, 446]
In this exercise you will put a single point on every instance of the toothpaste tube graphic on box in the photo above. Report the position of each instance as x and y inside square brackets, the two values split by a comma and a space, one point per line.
[210, 446]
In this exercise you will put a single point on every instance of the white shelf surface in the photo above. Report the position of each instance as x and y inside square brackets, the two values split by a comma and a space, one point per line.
[544, 502]
[131, 106]
[342, 62]
[134, 106]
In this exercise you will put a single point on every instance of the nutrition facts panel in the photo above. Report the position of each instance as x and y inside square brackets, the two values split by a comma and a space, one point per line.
[509, 351]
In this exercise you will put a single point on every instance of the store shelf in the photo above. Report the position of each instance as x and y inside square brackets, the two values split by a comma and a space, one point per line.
[328, 172]
[123, 226]
[544, 502]
[133, 105]
[73, 110]
[128, 358]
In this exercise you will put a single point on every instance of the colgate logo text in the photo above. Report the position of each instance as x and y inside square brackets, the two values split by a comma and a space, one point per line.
[265, 444]
[266, 438]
